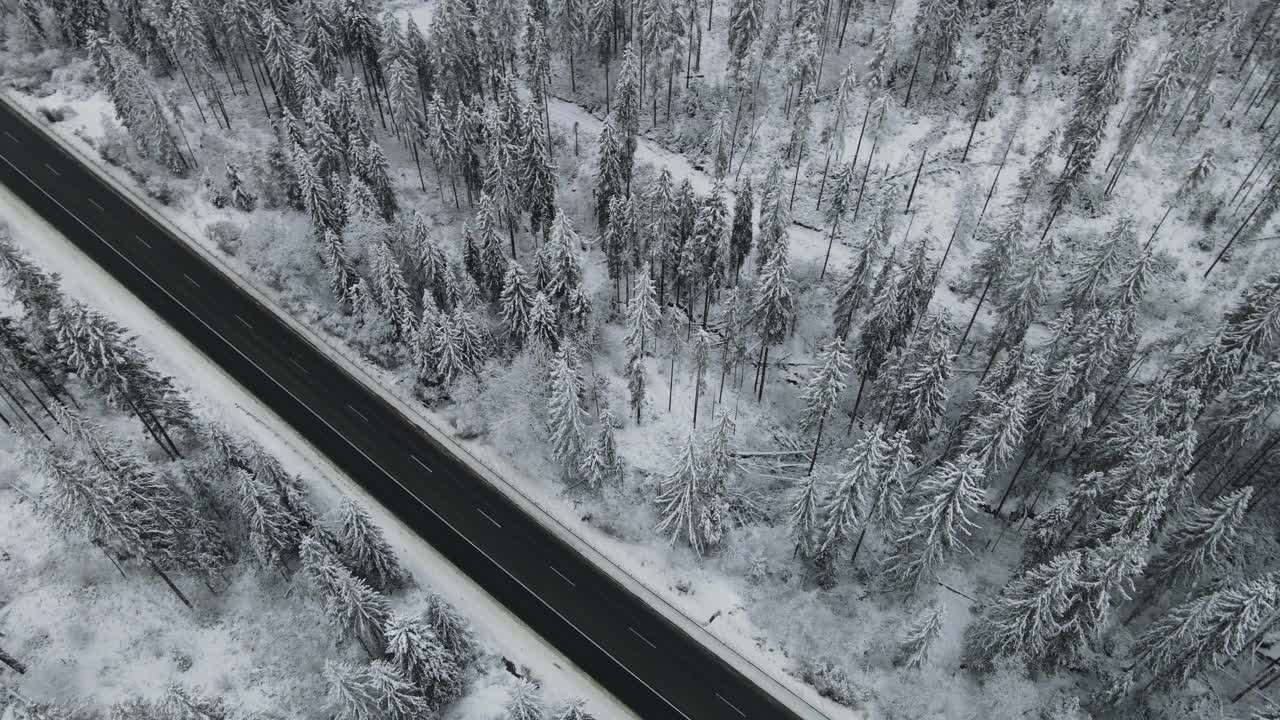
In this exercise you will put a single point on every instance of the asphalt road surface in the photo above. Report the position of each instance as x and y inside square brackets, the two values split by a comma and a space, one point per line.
[646, 661]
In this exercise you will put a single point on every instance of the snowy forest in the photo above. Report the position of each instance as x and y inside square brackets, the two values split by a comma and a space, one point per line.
[1002, 276]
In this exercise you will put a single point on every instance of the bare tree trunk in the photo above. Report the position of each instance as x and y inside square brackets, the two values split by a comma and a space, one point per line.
[156, 569]
[12, 662]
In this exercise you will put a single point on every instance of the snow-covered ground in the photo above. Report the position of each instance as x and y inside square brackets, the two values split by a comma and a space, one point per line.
[102, 639]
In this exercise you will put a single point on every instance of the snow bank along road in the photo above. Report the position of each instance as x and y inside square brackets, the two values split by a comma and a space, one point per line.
[641, 657]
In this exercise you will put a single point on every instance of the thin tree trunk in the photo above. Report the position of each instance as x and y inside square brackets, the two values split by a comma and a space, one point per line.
[914, 182]
[1239, 230]
[156, 569]
[12, 662]
[912, 82]
[813, 459]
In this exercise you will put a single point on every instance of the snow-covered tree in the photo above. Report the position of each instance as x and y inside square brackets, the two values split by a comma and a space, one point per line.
[936, 526]
[938, 24]
[774, 305]
[1203, 540]
[1031, 610]
[1099, 89]
[601, 464]
[740, 235]
[699, 360]
[525, 702]
[1208, 630]
[517, 303]
[914, 386]
[450, 627]
[844, 509]
[919, 637]
[422, 659]
[689, 510]
[823, 389]
[375, 690]
[565, 414]
[805, 514]
[366, 551]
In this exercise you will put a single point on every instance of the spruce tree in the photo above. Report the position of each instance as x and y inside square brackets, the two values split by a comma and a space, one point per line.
[822, 391]
[844, 509]
[517, 303]
[1031, 610]
[565, 412]
[1203, 541]
[423, 660]
[773, 307]
[688, 509]
[919, 637]
[525, 702]
[1206, 631]
[936, 526]
[740, 236]
[365, 549]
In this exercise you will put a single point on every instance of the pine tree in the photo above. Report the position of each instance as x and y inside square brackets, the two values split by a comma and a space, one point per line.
[366, 551]
[688, 509]
[642, 312]
[450, 628]
[376, 690]
[774, 217]
[601, 464]
[573, 710]
[636, 382]
[97, 350]
[919, 374]
[423, 660]
[937, 525]
[844, 509]
[525, 702]
[1204, 540]
[1031, 609]
[996, 434]
[241, 199]
[544, 326]
[823, 389]
[1099, 265]
[740, 236]
[1099, 89]
[919, 637]
[565, 412]
[612, 177]
[773, 306]
[805, 515]
[938, 25]
[517, 303]
[746, 20]
[1025, 295]
[272, 532]
[1208, 630]
[699, 359]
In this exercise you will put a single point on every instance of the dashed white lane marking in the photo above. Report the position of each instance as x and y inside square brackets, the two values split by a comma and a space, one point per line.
[735, 707]
[95, 204]
[357, 412]
[55, 172]
[357, 448]
[245, 322]
[637, 634]
[562, 577]
[191, 279]
[144, 242]
[490, 519]
[301, 367]
[420, 463]
[10, 136]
